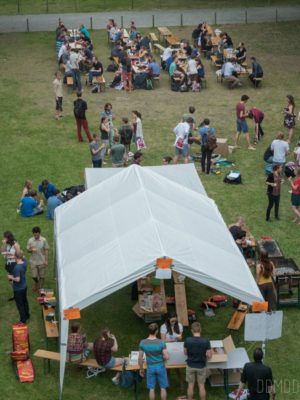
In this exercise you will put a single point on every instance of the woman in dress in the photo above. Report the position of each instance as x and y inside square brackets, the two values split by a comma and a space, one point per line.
[264, 278]
[9, 249]
[289, 121]
[295, 199]
[274, 181]
[138, 135]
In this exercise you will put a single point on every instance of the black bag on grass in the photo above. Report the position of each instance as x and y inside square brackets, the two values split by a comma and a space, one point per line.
[140, 81]
[73, 191]
[234, 180]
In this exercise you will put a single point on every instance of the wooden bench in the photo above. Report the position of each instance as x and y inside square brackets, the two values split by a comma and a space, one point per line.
[238, 317]
[159, 47]
[180, 300]
[257, 81]
[153, 37]
[101, 81]
[70, 81]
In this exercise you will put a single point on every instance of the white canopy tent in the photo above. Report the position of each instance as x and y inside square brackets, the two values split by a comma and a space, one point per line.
[112, 234]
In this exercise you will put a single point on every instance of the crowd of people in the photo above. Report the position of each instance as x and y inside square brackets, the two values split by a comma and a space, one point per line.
[116, 140]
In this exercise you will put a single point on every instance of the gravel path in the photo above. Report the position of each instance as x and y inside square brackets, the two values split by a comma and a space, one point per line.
[48, 22]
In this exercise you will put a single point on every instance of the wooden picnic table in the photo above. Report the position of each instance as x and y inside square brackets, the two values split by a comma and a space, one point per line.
[173, 40]
[164, 31]
[210, 30]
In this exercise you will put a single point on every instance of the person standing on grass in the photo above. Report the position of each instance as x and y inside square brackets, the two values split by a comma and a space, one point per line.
[289, 121]
[80, 107]
[206, 150]
[274, 182]
[57, 86]
[38, 247]
[108, 113]
[265, 271]
[118, 153]
[259, 378]
[95, 149]
[126, 133]
[18, 280]
[241, 123]
[156, 354]
[257, 116]
[295, 199]
[182, 131]
[280, 149]
[198, 350]
[74, 65]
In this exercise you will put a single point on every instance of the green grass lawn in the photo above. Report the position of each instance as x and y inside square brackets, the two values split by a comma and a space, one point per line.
[35, 146]
[67, 6]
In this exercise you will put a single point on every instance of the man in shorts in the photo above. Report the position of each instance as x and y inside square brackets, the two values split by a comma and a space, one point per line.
[39, 249]
[241, 123]
[198, 351]
[156, 353]
[182, 131]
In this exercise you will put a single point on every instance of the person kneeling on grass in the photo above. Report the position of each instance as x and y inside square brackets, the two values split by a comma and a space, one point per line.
[104, 346]
[78, 347]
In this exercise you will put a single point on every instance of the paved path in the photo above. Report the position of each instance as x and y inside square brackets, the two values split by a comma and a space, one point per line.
[48, 22]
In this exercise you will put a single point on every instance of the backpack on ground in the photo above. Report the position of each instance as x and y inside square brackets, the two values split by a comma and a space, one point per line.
[96, 89]
[175, 86]
[211, 142]
[149, 84]
[78, 109]
[128, 378]
[233, 177]
[140, 81]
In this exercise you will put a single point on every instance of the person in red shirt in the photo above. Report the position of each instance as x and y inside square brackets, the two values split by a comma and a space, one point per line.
[295, 199]
[241, 123]
[257, 116]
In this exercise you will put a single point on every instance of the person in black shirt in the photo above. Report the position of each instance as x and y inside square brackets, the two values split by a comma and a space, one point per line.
[259, 378]
[97, 69]
[238, 232]
[198, 351]
[80, 107]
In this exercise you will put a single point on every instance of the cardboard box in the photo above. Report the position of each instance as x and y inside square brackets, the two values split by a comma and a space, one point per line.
[216, 377]
[220, 349]
[222, 147]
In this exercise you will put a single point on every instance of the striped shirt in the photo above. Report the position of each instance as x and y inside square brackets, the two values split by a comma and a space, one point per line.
[153, 348]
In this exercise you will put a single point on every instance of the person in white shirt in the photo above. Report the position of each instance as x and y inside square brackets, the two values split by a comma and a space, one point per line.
[58, 92]
[171, 330]
[280, 149]
[74, 64]
[181, 142]
[297, 154]
[229, 73]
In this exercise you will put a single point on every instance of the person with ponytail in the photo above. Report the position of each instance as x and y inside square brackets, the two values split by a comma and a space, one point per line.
[264, 278]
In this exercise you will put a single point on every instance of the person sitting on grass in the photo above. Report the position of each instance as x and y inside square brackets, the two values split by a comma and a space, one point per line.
[30, 206]
[104, 347]
[53, 201]
[47, 188]
[78, 347]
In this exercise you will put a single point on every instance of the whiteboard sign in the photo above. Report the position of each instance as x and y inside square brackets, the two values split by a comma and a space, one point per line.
[263, 326]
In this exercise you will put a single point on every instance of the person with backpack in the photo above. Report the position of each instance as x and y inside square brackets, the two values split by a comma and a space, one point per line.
[208, 144]
[80, 107]
[126, 133]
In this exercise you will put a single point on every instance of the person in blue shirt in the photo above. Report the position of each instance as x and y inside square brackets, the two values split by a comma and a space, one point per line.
[29, 205]
[153, 67]
[53, 202]
[206, 151]
[84, 30]
[18, 279]
[156, 353]
[229, 73]
[47, 188]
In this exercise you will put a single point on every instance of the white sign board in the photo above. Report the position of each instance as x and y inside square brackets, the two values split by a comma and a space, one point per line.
[263, 326]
